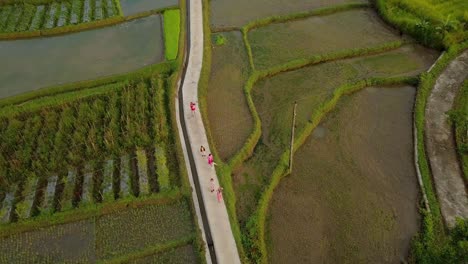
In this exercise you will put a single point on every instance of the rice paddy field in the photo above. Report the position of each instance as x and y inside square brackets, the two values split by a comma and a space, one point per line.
[359, 159]
[106, 237]
[29, 16]
[352, 196]
[89, 168]
[31, 64]
[228, 14]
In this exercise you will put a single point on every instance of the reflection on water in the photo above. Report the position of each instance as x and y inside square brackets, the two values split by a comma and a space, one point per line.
[31, 64]
[131, 7]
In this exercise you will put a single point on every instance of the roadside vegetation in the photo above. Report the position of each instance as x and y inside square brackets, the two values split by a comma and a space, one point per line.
[434, 23]
[459, 117]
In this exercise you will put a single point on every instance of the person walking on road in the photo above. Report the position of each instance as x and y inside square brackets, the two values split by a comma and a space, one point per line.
[219, 194]
[210, 160]
[202, 151]
[212, 185]
[193, 107]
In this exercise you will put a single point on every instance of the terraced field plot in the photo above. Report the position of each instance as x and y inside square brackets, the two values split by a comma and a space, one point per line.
[227, 13]
[309, 86]
[102, 143]
[35, 63]
[29, 17]
[279, 43]
[181, 255]
[131, 7]
[229, 73]
[105, 237]
[352, 195]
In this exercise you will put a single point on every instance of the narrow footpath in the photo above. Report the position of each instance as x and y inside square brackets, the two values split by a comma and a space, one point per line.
[440, 141]
[212, 216]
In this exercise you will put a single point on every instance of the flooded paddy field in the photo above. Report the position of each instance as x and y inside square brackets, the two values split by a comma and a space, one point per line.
[279, 43]
[131, 7]
[102, 237]
[229, 115]
[227, 13]
[31, 64]
[310, 86]
[352, 196]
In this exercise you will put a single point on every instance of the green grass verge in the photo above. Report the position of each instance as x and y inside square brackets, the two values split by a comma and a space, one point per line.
[459, 117]
[171, 33]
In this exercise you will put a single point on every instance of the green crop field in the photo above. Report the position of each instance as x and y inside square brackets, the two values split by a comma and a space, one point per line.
[90, 171]
[25, 16]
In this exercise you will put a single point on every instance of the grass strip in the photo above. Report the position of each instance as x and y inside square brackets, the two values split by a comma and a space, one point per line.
[459, 117]
[171, 33]
[151, 250]
[41, 221]
[256, 224]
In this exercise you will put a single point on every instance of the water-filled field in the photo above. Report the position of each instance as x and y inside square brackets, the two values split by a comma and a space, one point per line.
[280, 43]
[228, 13]
[310, 86]
[230, 119]
[131, 7]
[31, 64]
[352, 196]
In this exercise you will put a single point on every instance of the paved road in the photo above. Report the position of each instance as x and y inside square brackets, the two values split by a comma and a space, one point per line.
[211, 214]
[448, 177]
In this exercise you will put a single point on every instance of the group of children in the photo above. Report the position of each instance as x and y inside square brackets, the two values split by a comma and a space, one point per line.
[219, 191]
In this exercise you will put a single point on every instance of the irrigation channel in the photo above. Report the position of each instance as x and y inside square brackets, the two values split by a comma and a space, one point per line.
[32, 64]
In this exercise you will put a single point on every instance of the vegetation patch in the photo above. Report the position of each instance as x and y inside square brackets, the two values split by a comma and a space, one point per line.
[171, 33]
[30, 16]
[459, 117]
[434, 23]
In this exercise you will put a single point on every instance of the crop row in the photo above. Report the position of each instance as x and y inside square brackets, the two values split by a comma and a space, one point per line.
[29, 17]
[102, 147]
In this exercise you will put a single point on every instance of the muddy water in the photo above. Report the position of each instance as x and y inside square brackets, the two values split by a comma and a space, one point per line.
[352, 196]
[279, 43]
[274, 98]
[228, 13]
[31, 64]
[229, 116]
[131, 7]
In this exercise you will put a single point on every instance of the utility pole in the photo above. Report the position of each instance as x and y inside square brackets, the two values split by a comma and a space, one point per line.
[292, 138]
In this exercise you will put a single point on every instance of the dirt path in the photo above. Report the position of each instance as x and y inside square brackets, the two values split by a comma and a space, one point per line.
[451, 189]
